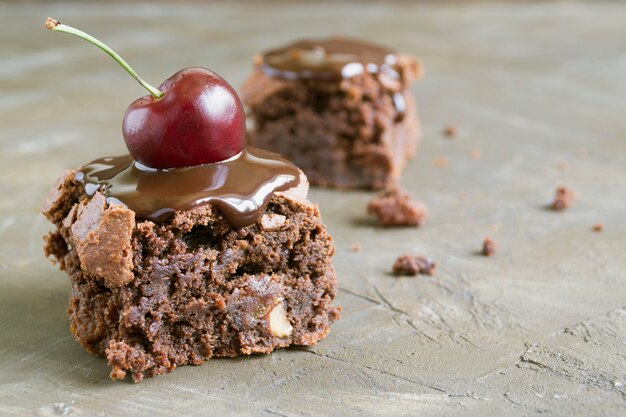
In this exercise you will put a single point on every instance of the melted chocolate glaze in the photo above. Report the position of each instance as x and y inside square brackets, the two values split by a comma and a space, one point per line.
[240, 187]
[328, 59]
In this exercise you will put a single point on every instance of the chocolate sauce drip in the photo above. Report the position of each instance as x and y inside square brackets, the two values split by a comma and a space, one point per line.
[240, 187]
[328, 59]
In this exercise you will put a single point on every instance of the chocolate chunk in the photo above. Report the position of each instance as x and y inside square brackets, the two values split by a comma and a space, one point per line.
[101, 236]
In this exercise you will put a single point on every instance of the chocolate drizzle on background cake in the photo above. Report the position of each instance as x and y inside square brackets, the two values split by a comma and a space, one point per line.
[328, 59]
[333, 59]
[240, 187]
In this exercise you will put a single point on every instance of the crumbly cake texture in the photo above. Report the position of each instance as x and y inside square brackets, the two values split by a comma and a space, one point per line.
[346, 133]
[150, 297]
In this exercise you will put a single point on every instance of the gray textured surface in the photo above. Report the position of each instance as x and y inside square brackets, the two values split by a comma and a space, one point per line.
[540, 327]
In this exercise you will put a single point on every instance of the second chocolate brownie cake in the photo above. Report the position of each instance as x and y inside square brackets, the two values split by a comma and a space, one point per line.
[341, 109]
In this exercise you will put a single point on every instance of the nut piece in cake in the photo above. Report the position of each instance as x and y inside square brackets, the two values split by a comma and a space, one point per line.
[341, 109]
[278, 322]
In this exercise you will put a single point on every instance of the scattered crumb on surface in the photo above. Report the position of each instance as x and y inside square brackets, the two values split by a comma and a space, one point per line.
[562, 166]
[355, 247]
[581, 152]
[598, 227]
[563, 198]
[412, 265]
[489, 247]
[451, 131]
[476, 154]
[396, 207]
[440, 162]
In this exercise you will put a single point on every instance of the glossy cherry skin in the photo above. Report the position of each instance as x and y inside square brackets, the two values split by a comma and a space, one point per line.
[199, 120]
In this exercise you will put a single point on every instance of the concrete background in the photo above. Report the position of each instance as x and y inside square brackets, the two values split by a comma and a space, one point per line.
[538, 88]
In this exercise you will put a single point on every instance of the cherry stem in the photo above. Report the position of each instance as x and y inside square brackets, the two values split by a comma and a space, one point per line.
[52, 24]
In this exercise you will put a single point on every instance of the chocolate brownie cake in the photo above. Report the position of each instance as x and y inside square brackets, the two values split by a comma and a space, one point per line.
[341, 109]
[150, 296]
[193, 246]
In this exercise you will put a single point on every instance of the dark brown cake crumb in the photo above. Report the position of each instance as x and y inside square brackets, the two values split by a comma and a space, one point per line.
[397, 207]
[489, 247]
[598, 227]
[451, 131]
[563, 198]
[412, 265]
[355, 247]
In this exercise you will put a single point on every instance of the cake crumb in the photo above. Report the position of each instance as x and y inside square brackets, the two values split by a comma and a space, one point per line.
[396, 207]
[476, 154]
[355, 247]
[451, 131]
[440, 162]
[581, 153]
[598, 227]
[563, 198]
[489, 247]
[412, 265]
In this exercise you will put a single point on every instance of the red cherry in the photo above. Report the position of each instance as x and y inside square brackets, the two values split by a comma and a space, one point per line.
[193, 118]
[199, 120]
